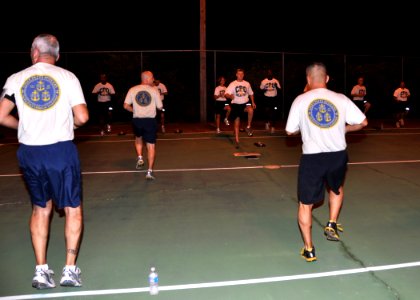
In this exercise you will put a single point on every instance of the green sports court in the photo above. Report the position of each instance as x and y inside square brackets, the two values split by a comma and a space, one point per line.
[219, 227]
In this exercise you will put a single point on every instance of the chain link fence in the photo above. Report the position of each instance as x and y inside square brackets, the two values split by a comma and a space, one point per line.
[180, 72]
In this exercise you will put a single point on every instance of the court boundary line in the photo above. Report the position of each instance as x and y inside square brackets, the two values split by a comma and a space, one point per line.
[223, 135]
[217, 283]
[230, 168]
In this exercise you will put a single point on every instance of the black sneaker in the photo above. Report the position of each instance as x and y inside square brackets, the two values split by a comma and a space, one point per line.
[331, 231]
[309, 256]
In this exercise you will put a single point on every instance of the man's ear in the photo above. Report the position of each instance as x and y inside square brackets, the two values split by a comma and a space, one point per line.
[58, 56]
[34, 55]
[327, 79]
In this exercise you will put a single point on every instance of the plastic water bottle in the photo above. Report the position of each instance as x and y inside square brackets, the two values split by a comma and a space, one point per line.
[153, 281]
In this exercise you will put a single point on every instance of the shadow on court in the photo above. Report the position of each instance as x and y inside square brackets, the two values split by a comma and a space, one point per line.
[218, 226]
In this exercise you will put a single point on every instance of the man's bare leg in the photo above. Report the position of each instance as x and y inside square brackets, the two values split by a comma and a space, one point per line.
[39, 227]
[73, 233]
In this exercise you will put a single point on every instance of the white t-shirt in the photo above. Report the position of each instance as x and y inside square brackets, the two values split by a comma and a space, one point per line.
[162, 90]
[240, 90]
[219, 91]
[45, 95]
[360, 91]
[402, 94]
[104, 91]
[269, 87]
[145, 99]
[321, 116]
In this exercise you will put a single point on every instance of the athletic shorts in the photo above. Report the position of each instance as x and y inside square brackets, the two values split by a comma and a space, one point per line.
[238, 111]
[219, 107]
[318, 171]
[145, 128]
[269, 103]
[360, 104]
[400, 106]
[52, 172]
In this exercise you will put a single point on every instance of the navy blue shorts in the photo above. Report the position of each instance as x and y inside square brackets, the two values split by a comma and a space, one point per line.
[318, 171]
[52, 172]
[145, 128]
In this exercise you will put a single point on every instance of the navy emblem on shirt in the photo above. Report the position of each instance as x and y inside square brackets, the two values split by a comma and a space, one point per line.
[40, 92]
[143, 98]
[323, 113]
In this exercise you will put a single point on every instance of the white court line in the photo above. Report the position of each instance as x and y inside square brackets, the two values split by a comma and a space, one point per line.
[231, 168]
[217, 283]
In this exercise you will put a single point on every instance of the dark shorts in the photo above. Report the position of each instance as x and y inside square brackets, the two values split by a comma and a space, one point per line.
[270, 103]
[400, 107]
[145, 128]
[219, 107]
[360, 104]
[318, 171]
[104, 108]
[52, 172]
[238, 111]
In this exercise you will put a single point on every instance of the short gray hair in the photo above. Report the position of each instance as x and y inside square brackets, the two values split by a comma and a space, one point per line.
[46, 44]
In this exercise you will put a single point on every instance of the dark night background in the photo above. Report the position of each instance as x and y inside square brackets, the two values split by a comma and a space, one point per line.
[375, 40]
[339, 28]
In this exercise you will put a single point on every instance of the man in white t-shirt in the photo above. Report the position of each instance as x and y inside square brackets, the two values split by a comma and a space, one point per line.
[143, 100]
[358, 93]
[323, 118]
[401, 96]
[270, 86]
[221, 105]
[104, 91]
[51, 104]
[242, 104]
[163, 91]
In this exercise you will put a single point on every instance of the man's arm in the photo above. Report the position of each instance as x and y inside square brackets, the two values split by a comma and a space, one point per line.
[356, 127]
[6, 119]
[229, 96]
[128, 107]
[292, 133]
[252, 101]
[81, 115]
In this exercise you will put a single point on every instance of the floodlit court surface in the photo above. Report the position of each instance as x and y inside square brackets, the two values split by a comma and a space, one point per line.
[220, 226]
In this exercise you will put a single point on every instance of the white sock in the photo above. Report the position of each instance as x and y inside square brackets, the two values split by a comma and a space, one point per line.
[41, 267]
[71, 268]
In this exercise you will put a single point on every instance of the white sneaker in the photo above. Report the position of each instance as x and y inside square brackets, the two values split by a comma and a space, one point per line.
[226, 122]
[249, 131]
[140, 163]
[150, 176]
[43, 279]
[71, 278]
[218, 130]
[108, 128]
